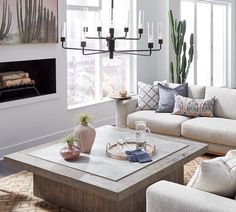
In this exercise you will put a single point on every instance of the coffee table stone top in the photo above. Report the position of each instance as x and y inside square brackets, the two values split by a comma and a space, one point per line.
[97, 162]
[112, 189]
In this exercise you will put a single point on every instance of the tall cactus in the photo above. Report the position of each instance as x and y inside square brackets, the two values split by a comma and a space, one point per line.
[49, 26]
[6, 20]
[29, 26]
[37, 25]
[178, 30]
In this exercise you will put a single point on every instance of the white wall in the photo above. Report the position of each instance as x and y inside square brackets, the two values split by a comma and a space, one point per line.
[26, 125]
[30, 124]
[154, 67]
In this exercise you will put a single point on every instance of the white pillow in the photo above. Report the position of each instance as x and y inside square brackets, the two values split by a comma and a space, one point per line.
[148, 96]
[216, 176]
[231, 153]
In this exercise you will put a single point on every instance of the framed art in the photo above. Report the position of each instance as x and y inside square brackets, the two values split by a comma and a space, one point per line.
[28, 21]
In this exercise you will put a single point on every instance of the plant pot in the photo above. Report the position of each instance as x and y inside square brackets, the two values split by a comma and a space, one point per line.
[84, 135]
[70, 152]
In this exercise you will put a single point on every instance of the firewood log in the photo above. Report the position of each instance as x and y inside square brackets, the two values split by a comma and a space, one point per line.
[13, 75]
[17, 82]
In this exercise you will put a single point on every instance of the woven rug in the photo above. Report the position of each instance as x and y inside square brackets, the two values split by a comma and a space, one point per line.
[16, 191]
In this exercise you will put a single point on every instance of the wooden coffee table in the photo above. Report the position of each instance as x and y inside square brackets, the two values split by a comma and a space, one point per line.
[98, 183]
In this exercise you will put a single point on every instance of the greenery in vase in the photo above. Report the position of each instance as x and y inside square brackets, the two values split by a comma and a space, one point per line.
[69, 139]
[83, 118]
[178, 30]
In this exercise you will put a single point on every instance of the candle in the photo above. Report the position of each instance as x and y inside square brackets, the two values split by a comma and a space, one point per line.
[85, 17]
[63, 33]
[141, 19]
[159, 30]
[127, 20]
[150, 33]
[82, 38]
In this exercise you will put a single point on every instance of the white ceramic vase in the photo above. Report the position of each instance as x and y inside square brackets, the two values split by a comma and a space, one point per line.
[84, 135]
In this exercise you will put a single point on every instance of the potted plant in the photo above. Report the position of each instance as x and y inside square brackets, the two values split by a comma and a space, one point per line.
[70, 152]
[84, 134]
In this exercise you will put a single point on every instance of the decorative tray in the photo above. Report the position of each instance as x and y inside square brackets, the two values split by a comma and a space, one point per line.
[113, 151]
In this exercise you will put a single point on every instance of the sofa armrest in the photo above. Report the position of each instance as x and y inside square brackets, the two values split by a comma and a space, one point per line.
[123, 109]
[169, 197]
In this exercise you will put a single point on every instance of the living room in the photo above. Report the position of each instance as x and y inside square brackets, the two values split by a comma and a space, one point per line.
[86, 83]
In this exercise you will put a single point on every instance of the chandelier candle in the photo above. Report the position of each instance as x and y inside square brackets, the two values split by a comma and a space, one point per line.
[111, 38]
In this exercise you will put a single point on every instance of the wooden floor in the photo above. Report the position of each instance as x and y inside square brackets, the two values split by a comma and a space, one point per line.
[6, 170]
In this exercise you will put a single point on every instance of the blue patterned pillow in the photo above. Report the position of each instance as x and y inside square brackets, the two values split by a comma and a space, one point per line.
[167, 97]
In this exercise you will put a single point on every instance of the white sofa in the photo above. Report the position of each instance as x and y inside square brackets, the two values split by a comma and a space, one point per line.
[218, 132]
[166, 196]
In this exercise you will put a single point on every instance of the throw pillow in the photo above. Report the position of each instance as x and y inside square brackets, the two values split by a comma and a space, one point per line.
[217, 176]
[167, 97]
[193, 107]
[148, 96]
[231, 153]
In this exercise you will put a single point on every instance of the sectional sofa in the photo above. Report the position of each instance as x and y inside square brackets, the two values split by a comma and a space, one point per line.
[219, 132]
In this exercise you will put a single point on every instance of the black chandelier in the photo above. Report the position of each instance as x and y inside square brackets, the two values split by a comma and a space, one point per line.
[111, 39]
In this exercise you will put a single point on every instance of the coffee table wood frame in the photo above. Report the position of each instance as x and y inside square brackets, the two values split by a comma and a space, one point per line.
[80, 191]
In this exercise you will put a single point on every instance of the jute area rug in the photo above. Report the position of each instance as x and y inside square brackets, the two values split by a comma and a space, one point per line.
[16, 191]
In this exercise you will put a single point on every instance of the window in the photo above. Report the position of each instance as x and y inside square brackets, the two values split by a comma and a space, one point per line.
[92, 78]
[211, 23]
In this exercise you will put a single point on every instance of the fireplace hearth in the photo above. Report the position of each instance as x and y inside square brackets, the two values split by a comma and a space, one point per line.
[25, 79]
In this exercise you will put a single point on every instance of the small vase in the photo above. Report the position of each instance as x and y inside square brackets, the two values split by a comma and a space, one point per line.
[84, 135]
[70, 152]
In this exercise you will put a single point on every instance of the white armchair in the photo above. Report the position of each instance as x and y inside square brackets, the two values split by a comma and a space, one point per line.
[166, 196]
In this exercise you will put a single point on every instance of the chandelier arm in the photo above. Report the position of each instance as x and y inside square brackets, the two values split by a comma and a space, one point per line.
[83, 49]
[98, 38]
[156, 50]
[125, 38]
[133, 50]
[137, 54]
[69, 48]
[97, 52]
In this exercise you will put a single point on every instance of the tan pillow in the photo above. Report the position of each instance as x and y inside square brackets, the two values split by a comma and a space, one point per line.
[193, 107]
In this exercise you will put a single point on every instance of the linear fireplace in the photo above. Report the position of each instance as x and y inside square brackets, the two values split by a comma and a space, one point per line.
[24, 79]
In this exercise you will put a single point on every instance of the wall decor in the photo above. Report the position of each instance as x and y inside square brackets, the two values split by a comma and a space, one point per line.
[28, 21]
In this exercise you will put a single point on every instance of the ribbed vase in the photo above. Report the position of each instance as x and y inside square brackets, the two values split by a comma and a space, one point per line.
[84, 135]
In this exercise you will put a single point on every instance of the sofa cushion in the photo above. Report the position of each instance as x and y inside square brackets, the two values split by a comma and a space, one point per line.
[167, 97]
[164, 123]
[193, 107]
[213, 130]
[217, 176]
[225, 104]
[196, 91]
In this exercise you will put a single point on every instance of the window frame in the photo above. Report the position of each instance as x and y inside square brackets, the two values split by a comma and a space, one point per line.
[229, 53]
[132, 66]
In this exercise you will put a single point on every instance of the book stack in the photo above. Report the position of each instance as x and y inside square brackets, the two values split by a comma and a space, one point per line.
[14, 79]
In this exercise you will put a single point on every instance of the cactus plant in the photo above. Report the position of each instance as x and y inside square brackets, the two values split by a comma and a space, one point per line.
[37, 25]
[49, 27]
[6, 20]
[178, 30]
[30, 26]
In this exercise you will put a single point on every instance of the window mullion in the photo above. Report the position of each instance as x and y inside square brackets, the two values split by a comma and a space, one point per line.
[212, 48]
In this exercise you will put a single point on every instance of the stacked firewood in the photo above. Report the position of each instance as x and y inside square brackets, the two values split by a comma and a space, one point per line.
[14, 79]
